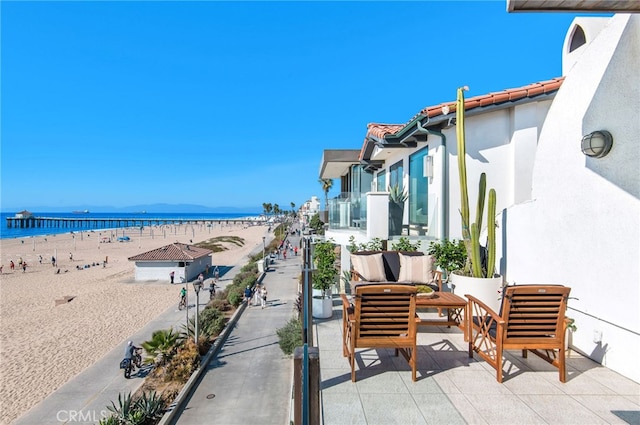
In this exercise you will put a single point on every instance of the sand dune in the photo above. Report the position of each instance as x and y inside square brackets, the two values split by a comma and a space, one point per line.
[43, 345]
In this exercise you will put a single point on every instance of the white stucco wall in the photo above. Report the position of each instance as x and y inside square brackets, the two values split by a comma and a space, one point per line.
[502, 144]
[582, 226]
[158, 270]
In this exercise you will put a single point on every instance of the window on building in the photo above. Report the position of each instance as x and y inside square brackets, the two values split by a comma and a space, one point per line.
[577, 38]
[381, 181]
[395, 174]
[418, 187]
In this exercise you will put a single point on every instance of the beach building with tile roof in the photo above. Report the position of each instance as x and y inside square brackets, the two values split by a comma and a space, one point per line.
[186, 261]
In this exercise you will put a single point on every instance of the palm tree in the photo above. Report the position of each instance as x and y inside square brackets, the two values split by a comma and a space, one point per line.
[326, 184]
[162, 346]
[266, 207]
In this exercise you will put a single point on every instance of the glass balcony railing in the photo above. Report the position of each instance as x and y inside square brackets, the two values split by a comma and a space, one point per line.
[348, 211]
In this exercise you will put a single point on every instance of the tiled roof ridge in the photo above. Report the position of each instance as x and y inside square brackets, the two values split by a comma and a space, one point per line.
[174, 251]
[495, 98]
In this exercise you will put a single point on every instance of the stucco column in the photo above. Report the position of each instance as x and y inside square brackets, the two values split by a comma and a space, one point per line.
[377, 215]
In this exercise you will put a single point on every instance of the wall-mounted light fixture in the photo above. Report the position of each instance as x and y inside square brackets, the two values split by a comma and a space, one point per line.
[428, 167]
[597, 144]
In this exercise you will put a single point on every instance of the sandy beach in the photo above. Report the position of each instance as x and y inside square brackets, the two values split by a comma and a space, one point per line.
[43, 345]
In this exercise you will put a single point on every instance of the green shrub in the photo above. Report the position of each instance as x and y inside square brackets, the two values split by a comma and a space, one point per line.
[290, 336]
[235, 297]
[219, 303]
[212, 322]
[184, 363]
[145, 410]
[404, 244]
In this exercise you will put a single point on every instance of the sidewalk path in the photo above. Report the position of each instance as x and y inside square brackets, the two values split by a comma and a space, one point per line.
[249, 381]
[84, 399]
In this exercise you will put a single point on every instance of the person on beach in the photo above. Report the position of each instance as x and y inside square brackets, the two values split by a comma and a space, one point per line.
[263, 296]
[200, 278]
[70, 256]
[247, 295]
[212, 289]
[183, 294]
[171, 276]
[256, 295]
[11, 265]
[24, 267]
[53, 261]
[40, 258]
[216, 274]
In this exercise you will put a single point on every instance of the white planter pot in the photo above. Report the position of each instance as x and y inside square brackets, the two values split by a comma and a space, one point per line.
[318, 292]
[322, 307]
[487, 290]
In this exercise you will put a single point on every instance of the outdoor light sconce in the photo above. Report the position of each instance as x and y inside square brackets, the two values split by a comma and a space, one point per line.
[597, 144]
[428, 167]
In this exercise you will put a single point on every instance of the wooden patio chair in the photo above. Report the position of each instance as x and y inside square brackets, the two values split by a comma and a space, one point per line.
[532, 319]
[381, 316]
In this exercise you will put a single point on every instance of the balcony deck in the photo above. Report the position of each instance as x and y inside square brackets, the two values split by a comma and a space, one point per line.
[454, 389]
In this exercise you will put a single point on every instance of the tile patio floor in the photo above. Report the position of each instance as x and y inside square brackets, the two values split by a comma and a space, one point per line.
[454, 389]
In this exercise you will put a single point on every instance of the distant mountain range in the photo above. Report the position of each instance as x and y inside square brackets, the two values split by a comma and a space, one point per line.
[150, 208]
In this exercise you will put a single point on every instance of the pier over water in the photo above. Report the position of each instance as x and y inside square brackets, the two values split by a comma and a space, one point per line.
[107, 223]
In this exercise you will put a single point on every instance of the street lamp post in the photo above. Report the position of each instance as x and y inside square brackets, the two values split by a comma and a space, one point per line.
[263, 238]
[197, 285]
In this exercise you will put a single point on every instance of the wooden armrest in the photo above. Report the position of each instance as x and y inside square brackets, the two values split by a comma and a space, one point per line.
[355, 276]
[480, 306]
[437, 276]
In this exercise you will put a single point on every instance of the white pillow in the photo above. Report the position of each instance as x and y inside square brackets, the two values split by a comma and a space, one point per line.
[415, 269]
[369, 266]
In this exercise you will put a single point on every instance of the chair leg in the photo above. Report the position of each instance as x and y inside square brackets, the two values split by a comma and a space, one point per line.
[352, 362]
[562, 366]
[414, 363]
[498, 364]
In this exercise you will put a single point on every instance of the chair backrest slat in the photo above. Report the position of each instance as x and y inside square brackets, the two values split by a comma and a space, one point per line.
[384, 311]
[534, 312]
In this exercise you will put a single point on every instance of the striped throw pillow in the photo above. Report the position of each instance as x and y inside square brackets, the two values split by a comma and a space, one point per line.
[369, 266]
[415, 269]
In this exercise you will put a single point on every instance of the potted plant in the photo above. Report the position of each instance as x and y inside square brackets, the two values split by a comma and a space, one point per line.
[448, 255]
[397, 198]
[324, 277]
[405, 245]
[478, 276]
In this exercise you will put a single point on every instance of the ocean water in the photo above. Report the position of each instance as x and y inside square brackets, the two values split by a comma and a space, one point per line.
[14, 233]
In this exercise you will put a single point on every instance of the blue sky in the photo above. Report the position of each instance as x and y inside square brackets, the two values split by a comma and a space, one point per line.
[232, 103]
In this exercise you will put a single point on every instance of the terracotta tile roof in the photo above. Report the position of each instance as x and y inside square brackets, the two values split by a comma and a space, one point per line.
[174, 252]
[379, 131]
[495, 98]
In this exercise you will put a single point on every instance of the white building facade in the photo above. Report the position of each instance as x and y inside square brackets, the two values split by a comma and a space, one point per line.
[581, 227]
[565, 218]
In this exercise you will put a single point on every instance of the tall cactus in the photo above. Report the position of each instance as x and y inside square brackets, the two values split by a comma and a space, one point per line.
[471, 232]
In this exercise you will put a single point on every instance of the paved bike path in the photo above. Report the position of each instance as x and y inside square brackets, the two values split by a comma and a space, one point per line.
[84, 398]
[249, 380]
